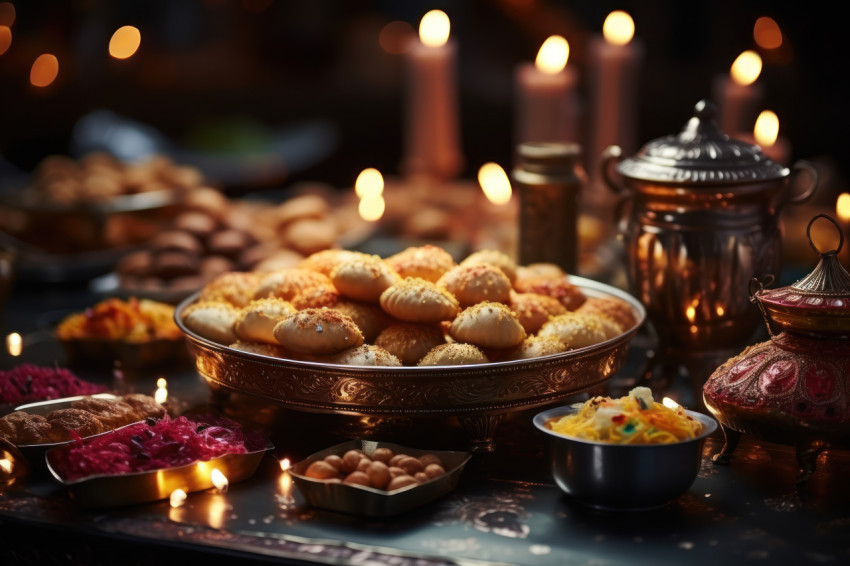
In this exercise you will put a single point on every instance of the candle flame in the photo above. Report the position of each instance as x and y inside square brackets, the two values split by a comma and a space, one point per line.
[553, 55]
[767, 34]
[6, 465]
[125, 41]
[5, 39]
[767, 128]
[219, 480]
[178, 497]
[434, 28]
[720, 310]
[371, 208]
[369, 183]
[14, 344]
[746, 68]
[619, 28]
[495, 183]
[285, 465]
[161, 383]
[44, 70]
[842, 207]
[161, 395]
[669, 403]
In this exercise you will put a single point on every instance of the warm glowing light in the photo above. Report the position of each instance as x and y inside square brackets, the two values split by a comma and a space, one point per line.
[434, 28]
[369, 183]
[178, 497]
[619, 28]
[161, 395]
[495, 183]
[14, 344]
[6, 465]
[7, 14]
[125, 41]
[161, 383]
[553, 55]
[285, 464]
[767, 128]
[691, 313]
[219, 480]
[842, 207]
[669, 403]
[395, 37]
[44, 70]
[746, 68]
[5, 39]
[767, 34]
[720, 311]
[371, 208]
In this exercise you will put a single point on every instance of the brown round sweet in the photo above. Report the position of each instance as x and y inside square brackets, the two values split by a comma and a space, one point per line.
[304, 206]
[207, 200]
[113, 413]
[369, 318]
[365, 355]
[574, 330]
[176, 240]
[288, 283]
[618, 311]
[256, 320]
[410, 465]
[434, 470]
[543, 269]
[326, 260]
[382, 455]
[488, 325]
[334, 460]
[237, 288]
[399, 482]
[535, 347]
[135, 264]
[63, 421]
[534, 309]
[318, 331]
[453, 354]
[428, 459]
[364, 278]
[309, 235]
[495, 258]
[410, 342]
[559, 288]
[214, 265]
[195, 222]
[475, 283]
[321, 470]
[379, 474]
[426, 262]
[171, 264]
[350, 460]
[315, 297]
[213, 320]
[229, 243]
[418, 300]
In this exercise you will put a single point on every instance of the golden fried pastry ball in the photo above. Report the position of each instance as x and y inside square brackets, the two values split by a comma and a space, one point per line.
[575, 330]
[261, 348]
[536, 347]
[213, 320]
[454, 354]
[534, 309]
[417, 300]
[475, 283]
[615, 309]
[550, 270]
[410, 342]
[326, 260]
[318, 331]
[559, 288]
[494, 257]
[364, 278]
[316, 297]
[365, 355]
[287, 284]
[234, 287]
[256, 321]
[488, 325]
[425, 262]
[369, 318]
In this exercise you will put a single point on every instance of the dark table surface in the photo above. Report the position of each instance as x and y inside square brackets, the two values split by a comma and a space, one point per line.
[506, 509]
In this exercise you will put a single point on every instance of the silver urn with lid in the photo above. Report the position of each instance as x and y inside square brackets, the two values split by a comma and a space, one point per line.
[699, 215]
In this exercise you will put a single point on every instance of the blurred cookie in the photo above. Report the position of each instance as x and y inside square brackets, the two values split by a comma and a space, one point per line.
[213, 320]
[410, 342]
[236, 288]
[326, 260]
[256, 320]
[418, 300]
[496, 258]
[369, 318]
[558, 288]
[364, 278]
[425, 262]
[475, 283]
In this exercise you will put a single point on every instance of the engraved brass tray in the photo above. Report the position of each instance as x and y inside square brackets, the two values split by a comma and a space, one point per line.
[478, 395]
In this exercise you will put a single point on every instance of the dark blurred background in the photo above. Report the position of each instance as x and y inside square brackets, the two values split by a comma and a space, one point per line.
[223, 75]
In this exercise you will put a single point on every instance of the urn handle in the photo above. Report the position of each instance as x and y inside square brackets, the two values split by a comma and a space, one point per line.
[808, 191]
[611, 155]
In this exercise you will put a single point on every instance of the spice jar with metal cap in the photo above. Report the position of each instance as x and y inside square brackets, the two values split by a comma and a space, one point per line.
[703, 221]
[548, 177]
[794, 388]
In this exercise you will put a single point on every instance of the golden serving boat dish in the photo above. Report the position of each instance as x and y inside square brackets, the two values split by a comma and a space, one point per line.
[478, 395]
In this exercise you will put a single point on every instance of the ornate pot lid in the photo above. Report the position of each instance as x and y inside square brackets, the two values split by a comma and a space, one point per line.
[701, 154]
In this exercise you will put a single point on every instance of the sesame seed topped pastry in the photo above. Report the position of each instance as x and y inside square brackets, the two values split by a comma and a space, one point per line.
[533, 309]
[318, 331]
[317, 296]
[574, 330]
[489, 325]
[417, 300]
[213, 320]
[454, 354]
[369, 318]
[426, 262]
[364, 278]
[614, 309]
[410, 342]
[550, 270]
[366, 355]
[559, 288]
[326, 260]
[535, 347]
[288, 283]
[234, 287]
[494, 257]
[257, 320]
[475, 283]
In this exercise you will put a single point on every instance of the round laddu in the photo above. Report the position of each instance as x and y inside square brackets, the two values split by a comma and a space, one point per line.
[559, 288]
[453, 354]
[364, 279]
[213, 320]
[318, 331]
[488, 325]
[417, 300]
[257, 320]
[475, 283]
[574, 330]
[496, 258]
[410, 342]
[533, 309]
[326, 260]
[425, 262]
[366, 355]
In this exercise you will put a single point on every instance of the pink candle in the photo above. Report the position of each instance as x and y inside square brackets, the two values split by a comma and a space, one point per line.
[547, 101]
[737, 95]
[432, 137]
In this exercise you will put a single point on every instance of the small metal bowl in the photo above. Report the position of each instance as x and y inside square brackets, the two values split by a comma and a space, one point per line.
[623, 477]
[371, 502]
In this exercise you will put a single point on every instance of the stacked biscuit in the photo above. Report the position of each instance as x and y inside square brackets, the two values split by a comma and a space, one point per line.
[417, 307]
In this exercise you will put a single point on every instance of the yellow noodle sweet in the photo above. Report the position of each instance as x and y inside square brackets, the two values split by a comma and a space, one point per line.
[634, 419]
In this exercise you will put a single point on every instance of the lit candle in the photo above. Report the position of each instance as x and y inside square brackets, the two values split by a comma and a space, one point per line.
[547, 101]
[14, 344]
[219, 480]
[178, 498]
[285, 486]
[369, 187]
[616, 58]
[433, 137]
[161, 394]
[737, 95]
